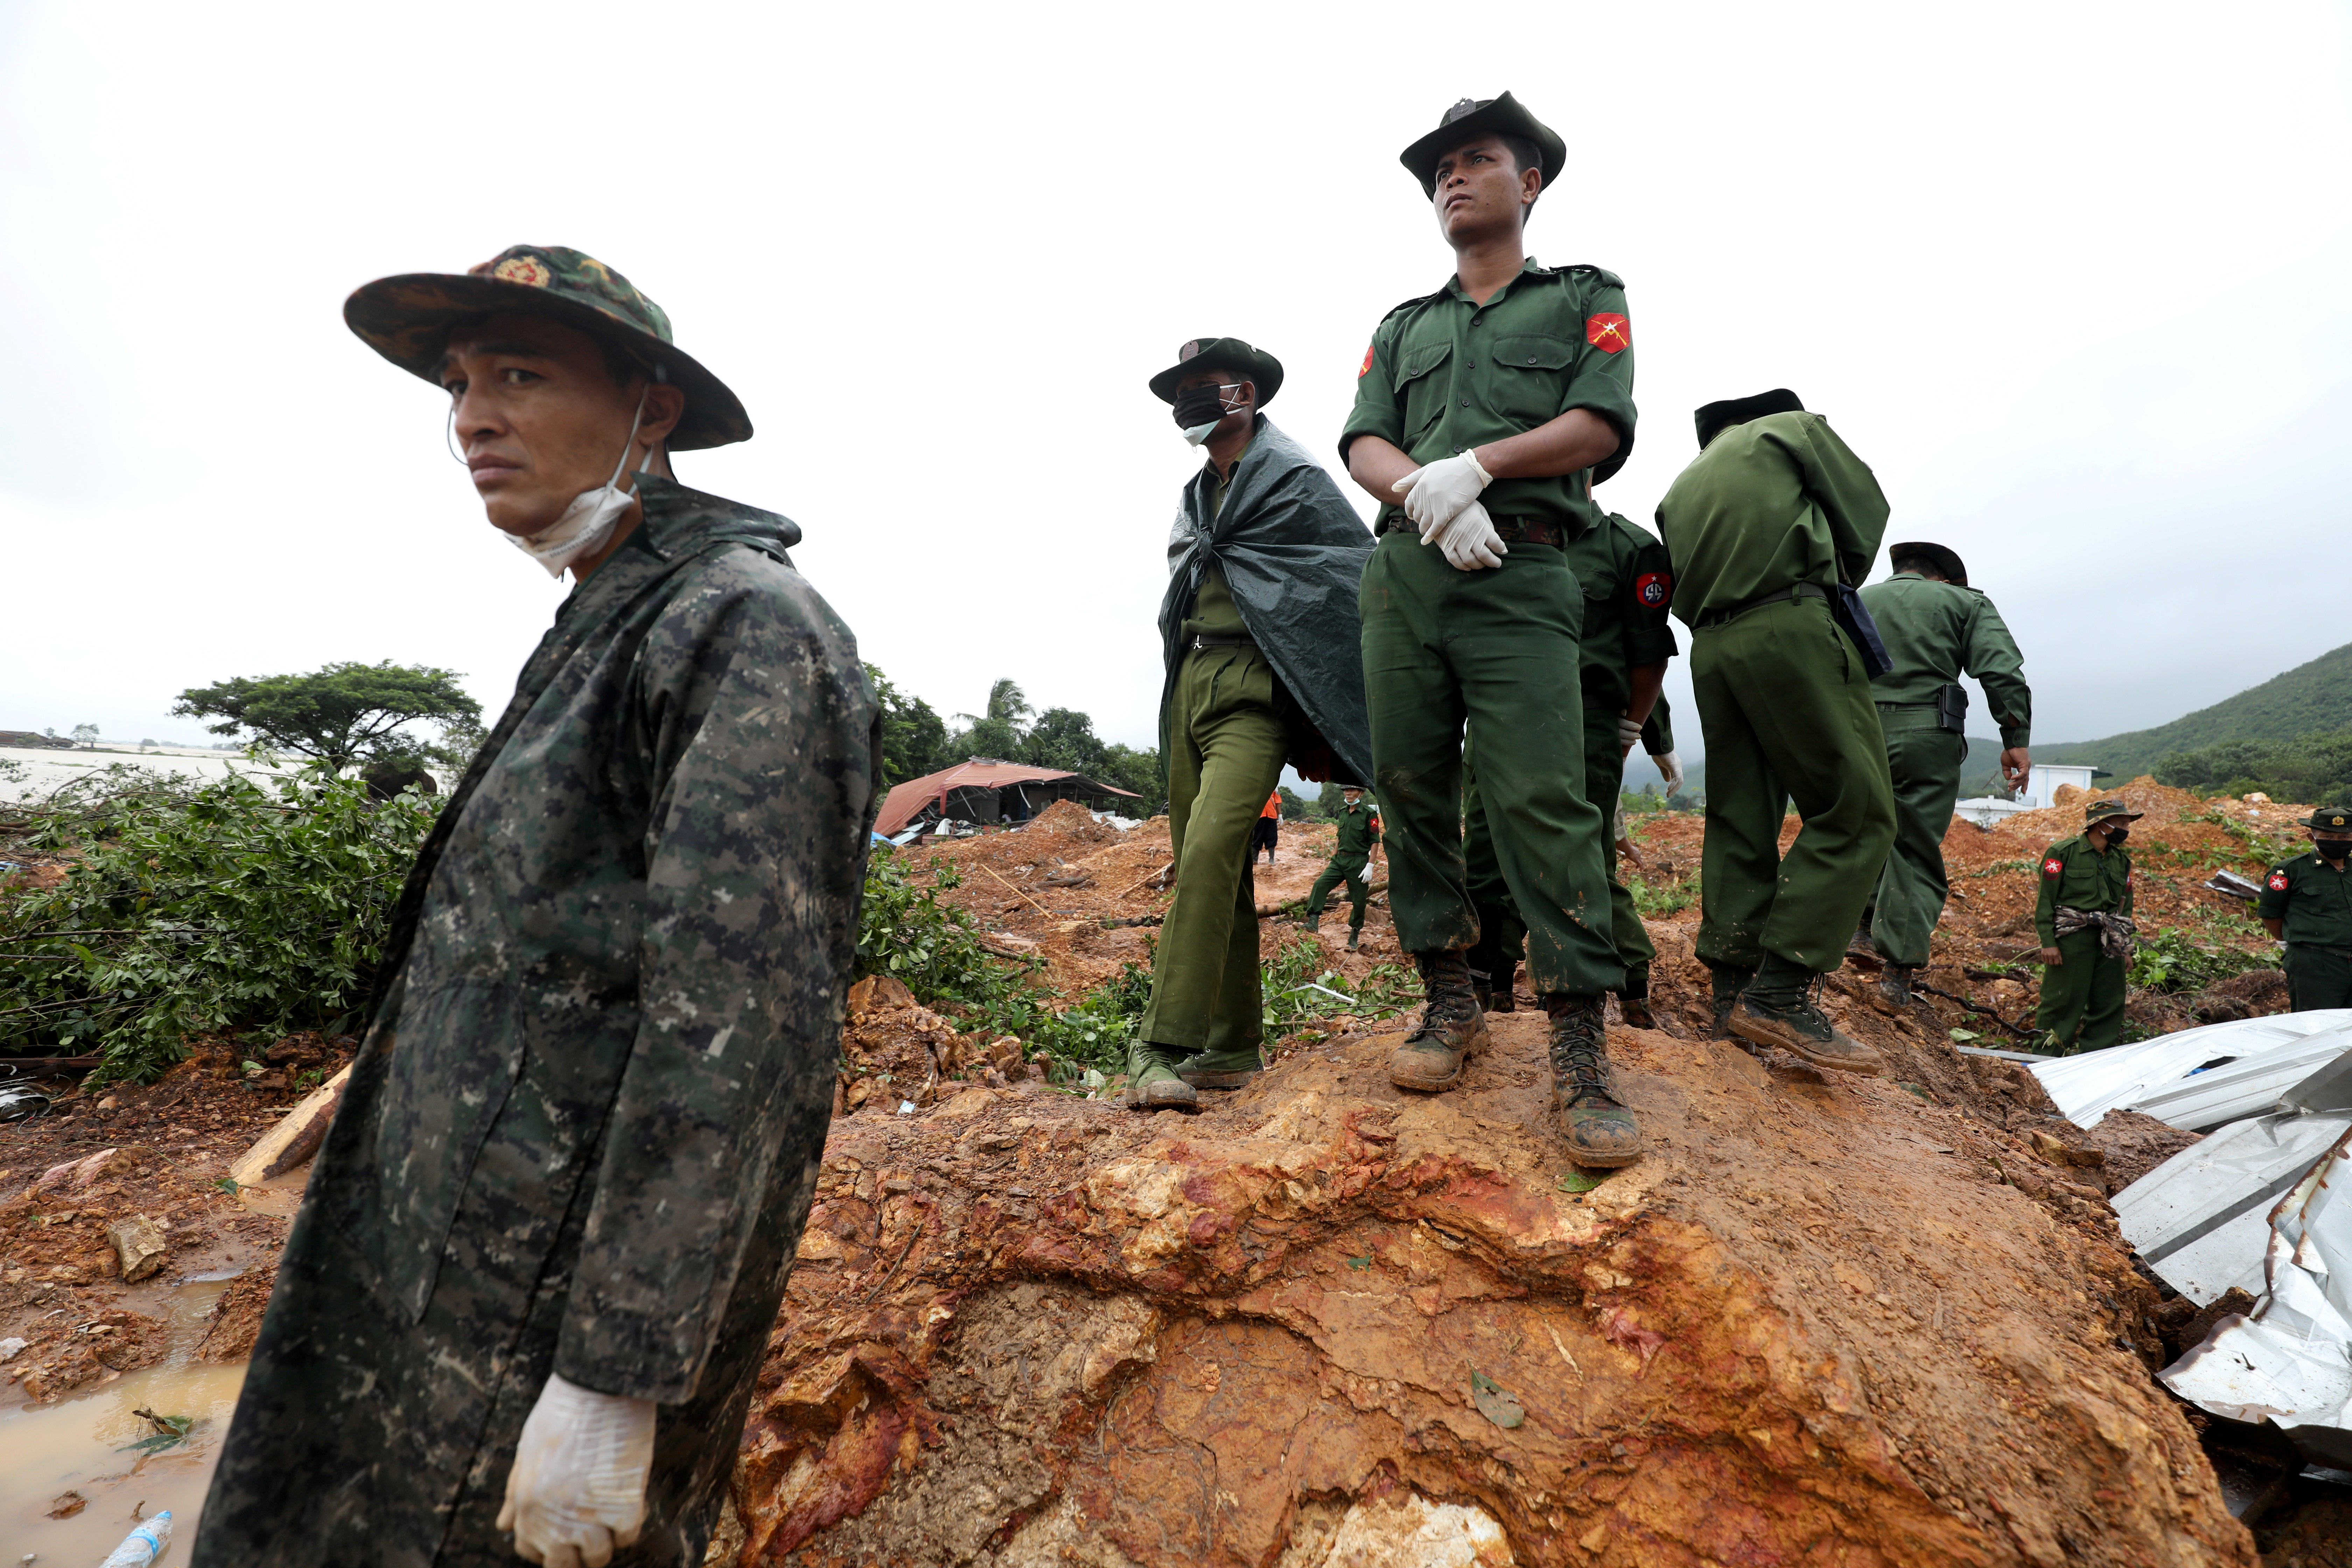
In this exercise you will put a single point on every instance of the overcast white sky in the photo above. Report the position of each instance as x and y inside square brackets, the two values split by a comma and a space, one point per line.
[2070, 277]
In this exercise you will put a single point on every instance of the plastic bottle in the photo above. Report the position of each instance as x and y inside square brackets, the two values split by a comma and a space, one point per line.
[142, 1545]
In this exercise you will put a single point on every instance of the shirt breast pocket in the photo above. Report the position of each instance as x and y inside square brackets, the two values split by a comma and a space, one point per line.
[1421, 387]
[1532, 374]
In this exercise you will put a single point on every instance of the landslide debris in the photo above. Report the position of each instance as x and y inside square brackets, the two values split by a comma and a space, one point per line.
[1826, 1320]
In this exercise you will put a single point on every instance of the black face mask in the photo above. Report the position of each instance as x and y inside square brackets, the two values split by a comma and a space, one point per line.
[2333, 849]
[2117, 835]
[1198, 407]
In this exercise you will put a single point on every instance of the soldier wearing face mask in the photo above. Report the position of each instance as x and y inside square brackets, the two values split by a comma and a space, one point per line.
[2083, 917]
[1258, 636]
[2307, 903]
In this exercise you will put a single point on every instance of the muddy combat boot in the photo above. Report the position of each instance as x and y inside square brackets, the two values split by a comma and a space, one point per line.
[1728, 983]
[1633, 1000]
[1355, 934]
[1482, 990]
[1781, 1007]
[1311, 923]
[1151, 1080]
[1507, 981]
[1859, 947]
[1891, 995]
[1452, 1026]
[1600, 1129]
[1221, 1069]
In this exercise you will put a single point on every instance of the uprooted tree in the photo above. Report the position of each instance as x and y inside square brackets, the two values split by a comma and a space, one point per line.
[346, 713]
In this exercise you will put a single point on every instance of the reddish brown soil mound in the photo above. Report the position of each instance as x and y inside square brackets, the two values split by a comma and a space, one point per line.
[1813, 1325]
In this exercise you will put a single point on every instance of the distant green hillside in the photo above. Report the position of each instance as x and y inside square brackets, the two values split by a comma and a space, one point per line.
[2307, 699]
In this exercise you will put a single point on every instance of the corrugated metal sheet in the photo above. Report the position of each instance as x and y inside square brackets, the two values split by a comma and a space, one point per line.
[2160, 1077]
[905, 802]
[2200, 1219]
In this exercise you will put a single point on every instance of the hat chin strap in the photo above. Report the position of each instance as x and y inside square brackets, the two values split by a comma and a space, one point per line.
[589, 521]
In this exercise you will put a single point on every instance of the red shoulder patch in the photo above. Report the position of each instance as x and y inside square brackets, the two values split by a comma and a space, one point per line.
[1609, 332]
[2052, 865]
[1366, 368]
[2277, 884]
[1655, 589]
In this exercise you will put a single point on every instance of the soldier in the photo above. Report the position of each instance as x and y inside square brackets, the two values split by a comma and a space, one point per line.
[2084, 917]
[1483, 413]
[2307, 903]
[1263, 567]
[1936, 628]
[1628, 589]
[536, 1265]
[1765, 528]
[1352, 862]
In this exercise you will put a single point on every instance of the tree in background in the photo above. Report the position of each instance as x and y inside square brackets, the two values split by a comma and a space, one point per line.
[86, 736]
[2315, 769]
[346, 713]
[1297, 807]
[914, 738]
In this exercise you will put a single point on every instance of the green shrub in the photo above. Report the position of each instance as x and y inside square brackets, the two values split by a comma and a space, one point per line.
[226, 907]
[2174, 961]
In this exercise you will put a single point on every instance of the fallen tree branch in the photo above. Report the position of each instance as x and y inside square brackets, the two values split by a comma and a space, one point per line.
[1265, 912]
[1033, 903]
[1979, 1007]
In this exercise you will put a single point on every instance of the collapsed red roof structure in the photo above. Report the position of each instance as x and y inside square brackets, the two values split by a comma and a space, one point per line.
[908, 800]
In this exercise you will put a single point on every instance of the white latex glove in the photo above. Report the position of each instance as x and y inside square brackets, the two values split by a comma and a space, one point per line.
[1628, 733]
[1434, 495]
[1470, 542]
[1671, 765]
[577, 1489]
[1365, 874]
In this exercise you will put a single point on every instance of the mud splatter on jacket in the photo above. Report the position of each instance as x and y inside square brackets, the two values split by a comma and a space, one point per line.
[583, 1128]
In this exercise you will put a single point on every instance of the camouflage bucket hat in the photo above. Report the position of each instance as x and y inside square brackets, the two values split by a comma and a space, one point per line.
[2100, 811]
[2330, 819]
[407, 320]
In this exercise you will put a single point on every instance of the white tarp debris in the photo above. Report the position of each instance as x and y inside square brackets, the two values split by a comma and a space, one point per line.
[2200, 1077]
[2291, 1358]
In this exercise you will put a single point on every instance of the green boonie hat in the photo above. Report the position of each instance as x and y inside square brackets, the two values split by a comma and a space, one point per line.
[1942, 560]
[1503, 116]
[407, 320]
[2334, 818]
[2100, 811]
[1220, 354]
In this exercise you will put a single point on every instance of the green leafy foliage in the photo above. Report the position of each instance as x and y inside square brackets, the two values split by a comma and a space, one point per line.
[2174, 961]
[914, 738]
[1654, 900]
[2314, 768]
[170, 1431]
[345, 713]
[1298, 987]
[226, 907]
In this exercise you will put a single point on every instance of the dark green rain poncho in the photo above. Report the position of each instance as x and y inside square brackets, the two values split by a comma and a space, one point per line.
[1293, 552]
[583, 1129]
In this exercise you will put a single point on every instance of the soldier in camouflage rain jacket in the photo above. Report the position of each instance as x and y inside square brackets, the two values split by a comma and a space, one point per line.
[583, 1128]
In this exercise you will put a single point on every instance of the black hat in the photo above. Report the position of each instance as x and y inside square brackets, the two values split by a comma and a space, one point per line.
[1484, 116]
[1716, 417]
[1220, 354]
[1940, 559]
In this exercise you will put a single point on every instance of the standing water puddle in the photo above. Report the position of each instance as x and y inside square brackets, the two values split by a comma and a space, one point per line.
[75, 1446]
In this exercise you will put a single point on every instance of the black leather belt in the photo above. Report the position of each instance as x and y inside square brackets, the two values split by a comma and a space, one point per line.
[1510, 530]
[1802, 591]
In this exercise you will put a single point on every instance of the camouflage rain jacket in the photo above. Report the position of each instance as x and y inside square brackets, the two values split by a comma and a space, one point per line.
[583, 1129]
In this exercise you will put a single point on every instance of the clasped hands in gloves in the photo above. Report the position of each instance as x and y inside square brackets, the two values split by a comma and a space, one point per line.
[577, 1490]
[1442, 500]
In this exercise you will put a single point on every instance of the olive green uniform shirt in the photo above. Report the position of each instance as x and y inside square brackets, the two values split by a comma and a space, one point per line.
[1444, 374]
[1215, 614]
[1629, 589]
[1934, 632]
[2312, 898]
[2080, 878]
[1360, 830]
[1769, 504]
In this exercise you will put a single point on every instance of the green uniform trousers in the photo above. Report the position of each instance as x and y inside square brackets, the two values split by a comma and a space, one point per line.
[1348, 869]
[1226, 742]
[2319, 976]
[1604, 779]
[1925, 761]
[1787, 715]
[1495, 650]
[2083, 995]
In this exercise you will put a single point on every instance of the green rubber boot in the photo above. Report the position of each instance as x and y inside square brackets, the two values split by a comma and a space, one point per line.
[1600, 1129]
[1152, 1083]
[1221, 1069]
[1355, 934]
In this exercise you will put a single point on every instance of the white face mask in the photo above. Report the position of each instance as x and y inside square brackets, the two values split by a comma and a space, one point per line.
[588, 521]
